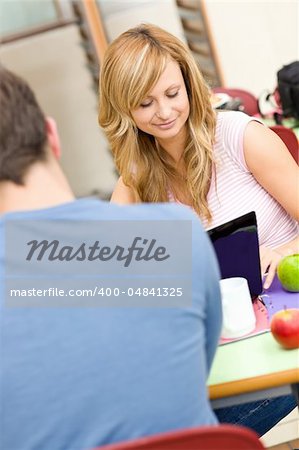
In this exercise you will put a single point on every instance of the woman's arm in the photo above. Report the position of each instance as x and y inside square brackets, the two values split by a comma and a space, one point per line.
[274, 168]
[272, 165]
[122, 194]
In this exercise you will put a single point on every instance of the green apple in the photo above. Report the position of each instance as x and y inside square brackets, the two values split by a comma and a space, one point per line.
[288, 273]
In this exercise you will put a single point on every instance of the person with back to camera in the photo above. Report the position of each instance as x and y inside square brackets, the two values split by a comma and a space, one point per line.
[80, 377]
[170, 145]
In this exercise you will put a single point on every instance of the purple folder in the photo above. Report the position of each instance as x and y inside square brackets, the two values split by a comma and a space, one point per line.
[276, 298]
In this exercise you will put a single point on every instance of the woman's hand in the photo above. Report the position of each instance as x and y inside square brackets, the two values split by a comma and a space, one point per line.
[269, 262]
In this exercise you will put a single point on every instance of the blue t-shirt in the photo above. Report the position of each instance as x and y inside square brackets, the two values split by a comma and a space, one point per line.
[77, 378]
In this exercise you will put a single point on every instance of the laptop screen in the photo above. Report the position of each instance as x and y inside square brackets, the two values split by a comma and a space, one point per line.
[237, 249]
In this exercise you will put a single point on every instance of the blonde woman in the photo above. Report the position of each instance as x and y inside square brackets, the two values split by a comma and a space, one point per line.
[169, 144]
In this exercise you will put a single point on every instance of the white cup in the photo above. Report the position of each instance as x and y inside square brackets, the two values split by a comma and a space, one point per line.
[238, 314]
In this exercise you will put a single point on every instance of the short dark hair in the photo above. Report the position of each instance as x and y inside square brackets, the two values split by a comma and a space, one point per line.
[23, 133]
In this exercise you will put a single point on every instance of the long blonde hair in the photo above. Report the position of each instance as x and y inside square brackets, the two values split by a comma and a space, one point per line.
[132, 66]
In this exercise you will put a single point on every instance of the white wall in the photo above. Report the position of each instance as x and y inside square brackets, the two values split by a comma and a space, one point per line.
[120, 15]
[254, 39]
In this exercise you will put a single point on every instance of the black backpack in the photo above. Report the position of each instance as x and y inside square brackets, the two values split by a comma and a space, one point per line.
[288, 88]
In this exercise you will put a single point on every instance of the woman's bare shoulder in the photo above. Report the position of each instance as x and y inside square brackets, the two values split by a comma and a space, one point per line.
[122, 194]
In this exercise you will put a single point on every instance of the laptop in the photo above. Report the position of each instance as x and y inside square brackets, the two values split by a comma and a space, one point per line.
[237, 249]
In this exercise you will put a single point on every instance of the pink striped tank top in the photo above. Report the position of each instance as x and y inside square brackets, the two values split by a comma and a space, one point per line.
[237, 191]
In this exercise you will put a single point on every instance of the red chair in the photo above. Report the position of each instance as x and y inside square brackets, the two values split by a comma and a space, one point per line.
[221, 437]
[250, 102]
[289, 138]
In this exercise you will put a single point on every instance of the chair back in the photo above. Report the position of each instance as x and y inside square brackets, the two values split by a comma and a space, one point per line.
[221, 437]
[250, 102]
[289, 138]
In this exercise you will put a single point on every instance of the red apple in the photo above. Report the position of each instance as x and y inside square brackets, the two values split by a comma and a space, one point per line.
[285, 327]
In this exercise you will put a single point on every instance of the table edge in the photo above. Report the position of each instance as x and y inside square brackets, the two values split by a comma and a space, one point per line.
[246, 385]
